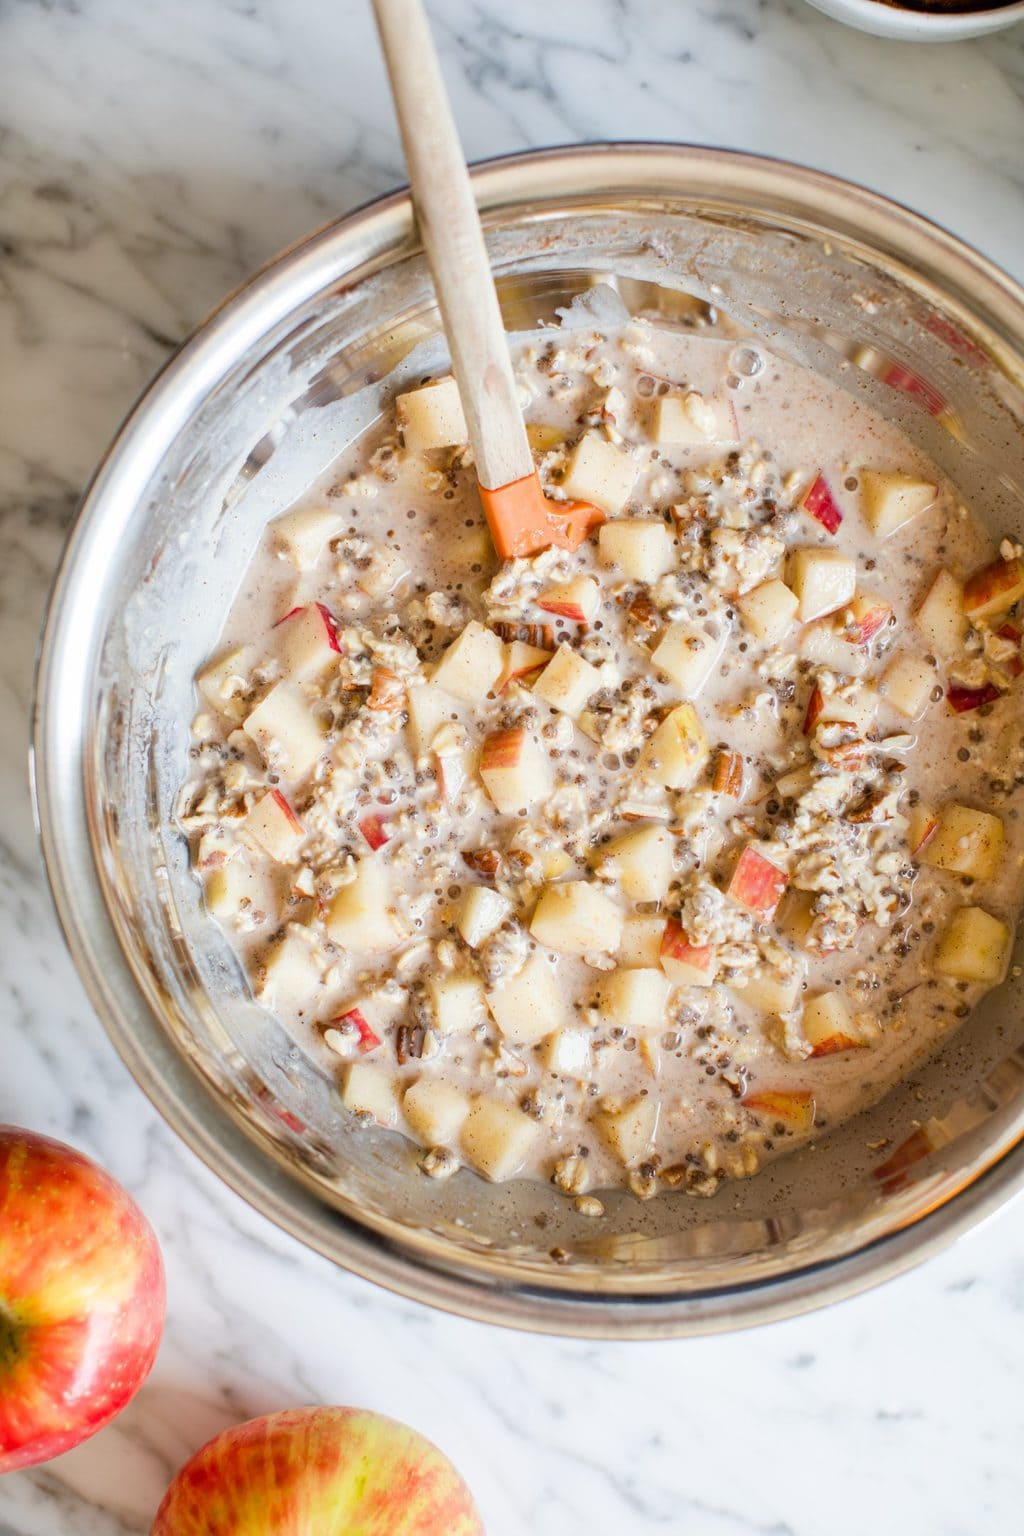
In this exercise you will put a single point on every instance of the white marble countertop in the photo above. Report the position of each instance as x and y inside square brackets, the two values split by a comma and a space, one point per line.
[152, 155]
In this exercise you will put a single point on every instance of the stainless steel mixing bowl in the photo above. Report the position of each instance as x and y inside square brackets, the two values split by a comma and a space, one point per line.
[262, 396]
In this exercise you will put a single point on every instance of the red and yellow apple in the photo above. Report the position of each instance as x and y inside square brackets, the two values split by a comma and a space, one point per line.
[328, 1470]
[82, 1298]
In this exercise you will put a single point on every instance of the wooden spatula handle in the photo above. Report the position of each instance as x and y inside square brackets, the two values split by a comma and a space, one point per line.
[450, 228]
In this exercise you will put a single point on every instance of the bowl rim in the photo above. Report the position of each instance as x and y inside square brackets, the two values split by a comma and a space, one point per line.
[898, 23]
[381, 228]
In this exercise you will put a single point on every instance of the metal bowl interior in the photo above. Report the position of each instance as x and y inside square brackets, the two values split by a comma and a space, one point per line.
[244, 416]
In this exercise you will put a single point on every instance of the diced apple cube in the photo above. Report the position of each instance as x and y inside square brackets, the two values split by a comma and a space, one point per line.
[497, 1137]
[866, 615]
[458, 1002]
[290, 975]
[579, 600]
[352, 1031]
[371, 1090]
[555, 862]
[686, 964]
[472, 664]
[890, 501]
[856, 705]
[823, 580]
[601, 473]
[631, 1131]
[825, 646]
[307, 641]
[529, 1005]
[922, 824]
[286, 732]
[225, 679]
[230, 885]
[828, 1027]
[769, 610]
[770, 991]
[941, 618]
[757, 883]
[640, 944]
[577, 918]
[691, 420]
[795, 917]
[520, 661]
[567, 682]
[678, 751]
[641, 862]
[302, 534]
[635, 998]
[567, 1052]
[688, 655]
[907, 684]
[819, 503]
[360, 917]
[966, 842]
[432, 417]
[961, 700]
[975, 947]
[793, 1108]
[515, 770]
[435, 1111]
[641, 547]
[481, 913]
[429, 708]
[994, 589]
[275, 826]
[542, 437]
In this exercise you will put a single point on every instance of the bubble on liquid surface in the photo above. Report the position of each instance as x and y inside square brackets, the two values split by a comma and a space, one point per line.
[746, 361]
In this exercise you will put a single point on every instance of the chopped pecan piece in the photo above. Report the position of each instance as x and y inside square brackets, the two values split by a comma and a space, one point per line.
[486, 861]
[387, 690]
[728, 775]
[540, 635]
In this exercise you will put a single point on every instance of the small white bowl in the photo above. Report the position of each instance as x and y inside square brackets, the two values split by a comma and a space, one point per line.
[920, 26]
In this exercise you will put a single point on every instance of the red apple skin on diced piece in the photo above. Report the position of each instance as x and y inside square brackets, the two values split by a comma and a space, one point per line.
[374, 828]
[961, 700]
[577, 600]
[819, 503]
[923, 824]
[286, 810]
[369, 1040]
[793, 1108]
[815, 705]
[309, 639]
[868, 614]
[520, 661]
[1015, 666]
[994, 589]
[757, 884]
[834, 1045]
[685, 963]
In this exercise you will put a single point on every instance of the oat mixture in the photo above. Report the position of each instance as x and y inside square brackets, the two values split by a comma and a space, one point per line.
[642, 863]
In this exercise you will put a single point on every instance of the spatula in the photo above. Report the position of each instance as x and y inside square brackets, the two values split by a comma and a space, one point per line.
[522, 520]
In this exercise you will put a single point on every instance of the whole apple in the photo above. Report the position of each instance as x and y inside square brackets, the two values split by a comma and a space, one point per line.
[82, 1298]
[333, 1471]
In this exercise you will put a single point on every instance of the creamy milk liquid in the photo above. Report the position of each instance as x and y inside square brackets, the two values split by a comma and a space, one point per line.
[703, 1063]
